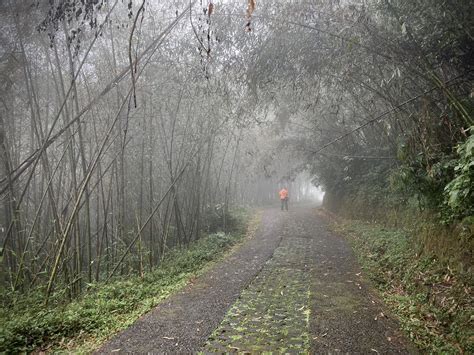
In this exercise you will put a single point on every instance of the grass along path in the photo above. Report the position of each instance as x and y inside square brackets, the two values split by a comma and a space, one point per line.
[433, 300]
[82, 325]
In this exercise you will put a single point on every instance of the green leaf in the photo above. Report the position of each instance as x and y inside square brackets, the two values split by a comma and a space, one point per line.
[453, 197]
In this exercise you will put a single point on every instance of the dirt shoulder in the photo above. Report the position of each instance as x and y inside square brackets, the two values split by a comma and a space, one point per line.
[346, 313]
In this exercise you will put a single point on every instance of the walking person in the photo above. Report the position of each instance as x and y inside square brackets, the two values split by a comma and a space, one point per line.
[284, 198]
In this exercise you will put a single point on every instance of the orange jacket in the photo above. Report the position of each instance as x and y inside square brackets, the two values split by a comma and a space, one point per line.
[283, 194]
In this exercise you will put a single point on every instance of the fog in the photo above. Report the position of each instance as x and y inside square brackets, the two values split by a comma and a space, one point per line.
[127, 130]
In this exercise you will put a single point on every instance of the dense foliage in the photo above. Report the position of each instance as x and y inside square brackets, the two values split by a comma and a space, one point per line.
[459, 192]
[380, 103]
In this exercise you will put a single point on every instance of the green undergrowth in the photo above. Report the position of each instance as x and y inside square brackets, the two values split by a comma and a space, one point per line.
[432, 299]
[82, 325]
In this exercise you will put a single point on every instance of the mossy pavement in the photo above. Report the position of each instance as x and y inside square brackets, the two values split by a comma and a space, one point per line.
[272, 313]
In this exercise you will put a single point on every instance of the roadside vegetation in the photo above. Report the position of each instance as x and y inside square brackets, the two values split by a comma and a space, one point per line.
[105, 308]
[431, 297]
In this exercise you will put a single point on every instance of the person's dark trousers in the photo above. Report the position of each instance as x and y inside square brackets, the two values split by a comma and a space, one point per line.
[284, 204]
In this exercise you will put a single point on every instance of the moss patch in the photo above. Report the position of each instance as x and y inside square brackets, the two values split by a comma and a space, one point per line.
[272, 313]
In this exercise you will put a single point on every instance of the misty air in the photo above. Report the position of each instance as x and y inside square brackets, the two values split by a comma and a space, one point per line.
[222, 176]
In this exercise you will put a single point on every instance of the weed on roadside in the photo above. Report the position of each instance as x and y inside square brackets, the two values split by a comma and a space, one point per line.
[433, 301]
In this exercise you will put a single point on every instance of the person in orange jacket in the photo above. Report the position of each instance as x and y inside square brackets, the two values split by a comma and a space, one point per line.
[284, 198]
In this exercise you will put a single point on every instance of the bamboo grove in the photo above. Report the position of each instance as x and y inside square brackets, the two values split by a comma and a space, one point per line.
[131, 127]
[101, 174]
[376, 96]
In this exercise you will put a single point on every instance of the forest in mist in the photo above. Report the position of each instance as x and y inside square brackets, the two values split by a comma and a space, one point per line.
[128, 128]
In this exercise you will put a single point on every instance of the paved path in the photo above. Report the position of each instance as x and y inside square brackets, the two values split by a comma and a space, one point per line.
[294, 287]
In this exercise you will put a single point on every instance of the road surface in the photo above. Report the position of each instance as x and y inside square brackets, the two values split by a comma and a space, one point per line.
[292, 287]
